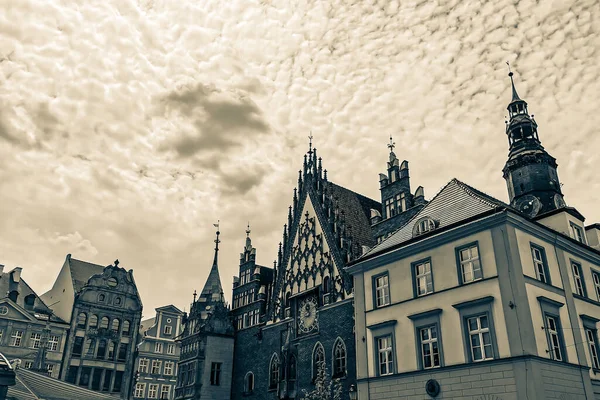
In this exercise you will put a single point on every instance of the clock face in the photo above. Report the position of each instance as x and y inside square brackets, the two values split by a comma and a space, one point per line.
[559, 202]
[307, 315]
[529, 205]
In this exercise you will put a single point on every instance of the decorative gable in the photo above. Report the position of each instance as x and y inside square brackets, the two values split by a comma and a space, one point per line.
[10, 310]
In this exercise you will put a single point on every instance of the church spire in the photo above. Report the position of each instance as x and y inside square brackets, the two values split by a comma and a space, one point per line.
[213, 290]
[515, 95]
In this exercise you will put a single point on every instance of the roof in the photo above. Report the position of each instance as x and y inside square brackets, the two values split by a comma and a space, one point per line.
[147, 324]
[33, 385]
[455, 202]
[82, 271]
[357, 211]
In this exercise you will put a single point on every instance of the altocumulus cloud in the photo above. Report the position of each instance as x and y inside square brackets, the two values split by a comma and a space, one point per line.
[127, 127]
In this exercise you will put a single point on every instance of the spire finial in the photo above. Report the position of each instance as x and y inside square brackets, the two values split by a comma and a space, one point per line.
[248, 230]
[515, 96]
[195, 294]
[310, 138]
[217, 241]
[391, 145]
[116, 262]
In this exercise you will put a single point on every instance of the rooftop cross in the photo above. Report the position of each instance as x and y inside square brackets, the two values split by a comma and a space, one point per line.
[310, 138]
[392, 144]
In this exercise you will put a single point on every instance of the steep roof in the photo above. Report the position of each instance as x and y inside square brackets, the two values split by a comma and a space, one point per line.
[455, 202]
[357, 210]
[33, 385]
[82, 271]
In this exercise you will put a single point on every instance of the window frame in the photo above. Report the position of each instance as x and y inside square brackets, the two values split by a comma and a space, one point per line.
[423, 320]
[413, 267]
[156, 364]
[162, 391]
[248, 389]
[274, 374]
[334, 359]
[317, 348]
[476, 308]
[596, 274]
[16, 338]
[155, 386]
[378, 353]
[577, 230]
[459, 268]
[143, 365]
[374, 279]
[140, 387]
[544, 261]
[577, 264]
[551, 308]
[215, 373]
[589, 325]
[378, 331]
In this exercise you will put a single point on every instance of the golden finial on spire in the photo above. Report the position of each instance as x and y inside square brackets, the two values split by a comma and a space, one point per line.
[391, 145]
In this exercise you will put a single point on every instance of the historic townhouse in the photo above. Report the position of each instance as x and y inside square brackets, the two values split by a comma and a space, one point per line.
[475, 298]
[158, 355]
[104, 309]
[29, 331]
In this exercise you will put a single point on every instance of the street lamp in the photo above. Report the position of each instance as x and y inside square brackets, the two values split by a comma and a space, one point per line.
[352, 392]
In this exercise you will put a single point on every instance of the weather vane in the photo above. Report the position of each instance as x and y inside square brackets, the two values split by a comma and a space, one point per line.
[509, 71]
[248, 230]
[392, 144]
[310, 138]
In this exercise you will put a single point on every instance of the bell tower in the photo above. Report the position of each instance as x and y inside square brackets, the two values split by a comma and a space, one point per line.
[530, 172]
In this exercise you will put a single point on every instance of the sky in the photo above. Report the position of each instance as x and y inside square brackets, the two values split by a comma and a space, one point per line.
[128, 128]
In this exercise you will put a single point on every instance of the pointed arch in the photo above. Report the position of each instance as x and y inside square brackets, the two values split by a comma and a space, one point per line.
[339, 358]
[249, 382]
[274, 371]
[292, 368]
[318, 359]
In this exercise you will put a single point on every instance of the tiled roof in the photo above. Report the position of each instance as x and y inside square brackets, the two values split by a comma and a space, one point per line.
[357, 210]
[33, 385]
[456, 202]
[82, 271]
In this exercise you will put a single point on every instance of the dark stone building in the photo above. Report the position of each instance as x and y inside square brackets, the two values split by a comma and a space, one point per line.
[301, 312]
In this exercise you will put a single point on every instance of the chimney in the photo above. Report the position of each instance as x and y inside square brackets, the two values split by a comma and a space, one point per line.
[16, 274]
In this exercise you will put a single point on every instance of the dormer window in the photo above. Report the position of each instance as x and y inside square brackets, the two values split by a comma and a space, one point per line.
[577, 233]
[424, 225]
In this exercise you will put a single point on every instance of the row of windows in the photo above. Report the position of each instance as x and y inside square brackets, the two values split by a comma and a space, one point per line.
[153, 391]
[186, 375]
[16, 339]
[49, 368]
[192, 347]
[82, 322]
[156, 367]
[247, 319]
[99, 349]
[159, 346]
[469, 270]
[245, 276]
[98, 379]
[395, 205]
[244, 298]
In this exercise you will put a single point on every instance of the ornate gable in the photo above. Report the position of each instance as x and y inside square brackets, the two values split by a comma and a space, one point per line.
[327, 225]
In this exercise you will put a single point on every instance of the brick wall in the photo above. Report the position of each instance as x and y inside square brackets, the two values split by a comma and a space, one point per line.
[470, 382]
[561, 382]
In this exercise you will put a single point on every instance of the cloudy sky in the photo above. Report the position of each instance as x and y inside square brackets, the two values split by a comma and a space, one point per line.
[127, 128]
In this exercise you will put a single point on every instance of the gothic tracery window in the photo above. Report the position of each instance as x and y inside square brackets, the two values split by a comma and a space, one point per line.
[318, 359]
[274, 371]
[339, 358]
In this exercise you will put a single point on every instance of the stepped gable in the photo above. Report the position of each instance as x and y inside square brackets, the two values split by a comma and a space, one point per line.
[455, 202]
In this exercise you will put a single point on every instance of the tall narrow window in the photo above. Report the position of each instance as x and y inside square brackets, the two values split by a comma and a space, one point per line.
[480, 338]
[339, 358]
[577, 233]
[115, 325]
[143, 366]
[292, 368]
[153, 391]
[578, 279]
[423, 278]
[429, 347]
[52, 342]
[554, 338]
[111, 351]
[104, 323]
[93, 321]
[81, 320]
[318, 360]
[596, 279]
[165, 391]
[382, 290]
[274, 372]
[249, 383]
[169, 367]
[470, 266]
[77, 346]
[126, 328]
[540, 264]
[592, 338]
[101, 349]
[215, 374]
[156, 364]
[385, 355]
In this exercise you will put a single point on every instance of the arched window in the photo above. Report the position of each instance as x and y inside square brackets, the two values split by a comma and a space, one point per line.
[125, 328]
[104, 323]
[339, 358]
[274, 371]
[424, 225]
[326, 284]
[93, 321]
[318, 358]
[249, 383]
[287, 299]
[292, 368]
[111, 351]
[81, 320]
[115, 325]
[101, 350]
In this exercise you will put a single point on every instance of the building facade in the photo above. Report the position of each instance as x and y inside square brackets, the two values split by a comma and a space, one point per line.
[206, 357]
[104, 310]
[29, 331]
[158, 355]
[475, 298]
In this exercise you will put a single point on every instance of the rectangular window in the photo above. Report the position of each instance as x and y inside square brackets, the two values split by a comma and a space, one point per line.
[385, 355]
[34, 340]
[122, 355]
[168, 368]
[390, 208]
[540, 263]
[153, 391]
[156, 364]
[53, 343]
[107, 378]
[170, 348]
[215, 374]
[28, 364]
[118, 381]
[423, 278]
[143, 367]
[429, 347]
[15, 338]
[578, 278]
[554, 338]
[469, 264]
[480, 338]
[78, 346]
[158, 347]
[140, 390]
[382, 290]
[595, 277]
[165, 391]
[577, 233]
[592, 338]
[168, 329]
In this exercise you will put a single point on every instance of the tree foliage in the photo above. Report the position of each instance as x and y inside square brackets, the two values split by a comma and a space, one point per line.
[325, 387]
